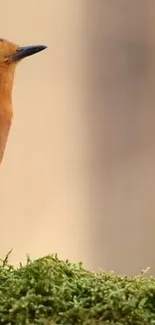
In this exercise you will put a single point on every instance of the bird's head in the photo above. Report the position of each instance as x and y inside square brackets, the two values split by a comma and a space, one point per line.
[11, 53]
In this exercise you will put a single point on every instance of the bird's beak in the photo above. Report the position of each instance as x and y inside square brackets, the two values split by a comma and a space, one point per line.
[23, 52]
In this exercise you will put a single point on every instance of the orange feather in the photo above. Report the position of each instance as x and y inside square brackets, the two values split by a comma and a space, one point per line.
[10, 55]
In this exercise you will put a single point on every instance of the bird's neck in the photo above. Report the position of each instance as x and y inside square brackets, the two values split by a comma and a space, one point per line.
[6, 85]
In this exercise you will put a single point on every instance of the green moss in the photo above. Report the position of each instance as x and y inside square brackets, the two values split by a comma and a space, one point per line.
[49, 291]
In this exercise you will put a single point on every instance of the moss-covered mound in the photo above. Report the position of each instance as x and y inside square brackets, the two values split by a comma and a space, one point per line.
[50, 291]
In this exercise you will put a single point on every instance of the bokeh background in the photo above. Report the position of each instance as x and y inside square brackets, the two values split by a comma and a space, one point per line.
[78, 176]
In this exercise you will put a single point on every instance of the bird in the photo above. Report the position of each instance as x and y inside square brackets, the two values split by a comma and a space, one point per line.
[10, 55]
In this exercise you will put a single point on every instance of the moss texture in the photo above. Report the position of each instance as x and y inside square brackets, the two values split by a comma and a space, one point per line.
[50, 291]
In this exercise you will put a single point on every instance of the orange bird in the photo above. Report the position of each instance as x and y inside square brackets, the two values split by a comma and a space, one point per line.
[10, 55]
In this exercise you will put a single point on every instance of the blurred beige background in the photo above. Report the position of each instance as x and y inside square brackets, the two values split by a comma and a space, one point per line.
[78, 176]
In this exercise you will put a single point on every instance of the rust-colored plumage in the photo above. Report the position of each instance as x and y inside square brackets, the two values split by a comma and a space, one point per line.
[10, 55]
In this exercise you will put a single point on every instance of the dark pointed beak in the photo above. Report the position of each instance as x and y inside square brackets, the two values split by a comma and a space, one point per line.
[23, 52]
